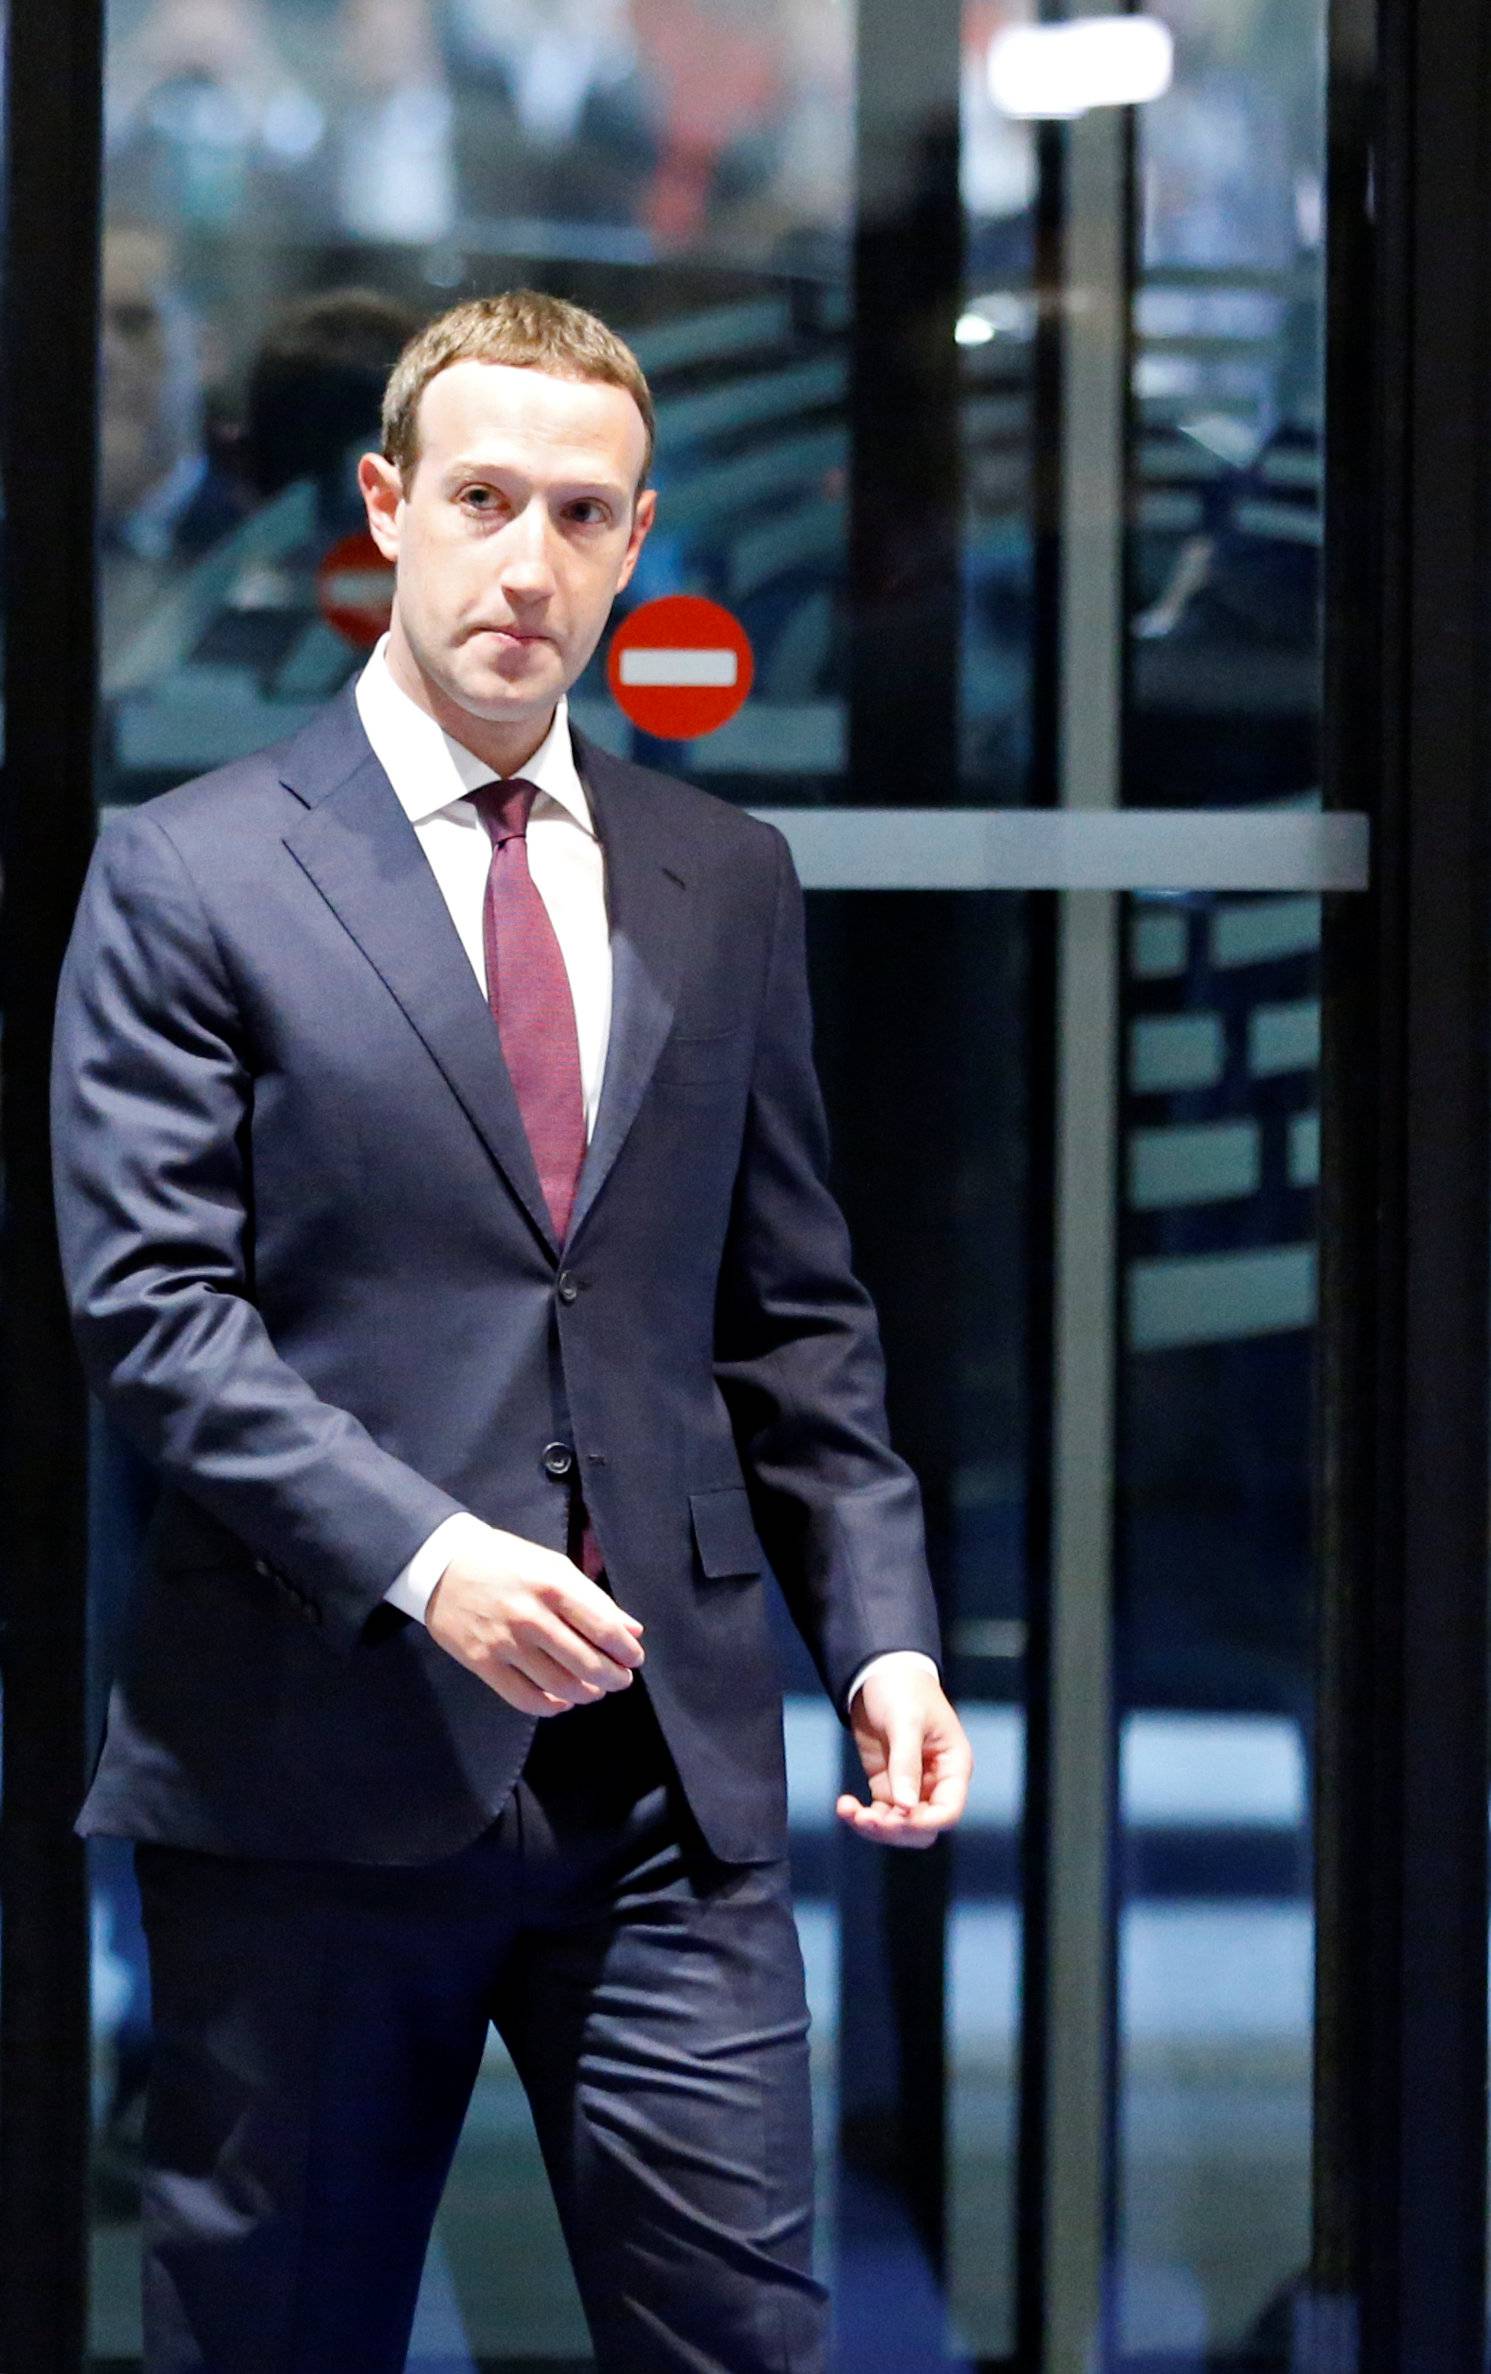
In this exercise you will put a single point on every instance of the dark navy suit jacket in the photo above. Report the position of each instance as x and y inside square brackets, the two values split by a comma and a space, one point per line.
[312, 1277]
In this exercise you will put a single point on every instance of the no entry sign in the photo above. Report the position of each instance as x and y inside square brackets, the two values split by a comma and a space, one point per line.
[354, 586]
[680, 667]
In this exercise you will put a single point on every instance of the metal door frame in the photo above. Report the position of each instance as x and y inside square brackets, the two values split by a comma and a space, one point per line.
[48, 414]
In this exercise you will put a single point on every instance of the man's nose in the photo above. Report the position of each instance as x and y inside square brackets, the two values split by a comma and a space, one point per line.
[526, 564]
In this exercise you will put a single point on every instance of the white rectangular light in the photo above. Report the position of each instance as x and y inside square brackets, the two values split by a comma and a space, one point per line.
[661, 666]
[1059, 71]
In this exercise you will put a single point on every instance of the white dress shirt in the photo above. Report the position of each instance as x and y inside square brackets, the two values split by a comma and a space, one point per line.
[432, 776]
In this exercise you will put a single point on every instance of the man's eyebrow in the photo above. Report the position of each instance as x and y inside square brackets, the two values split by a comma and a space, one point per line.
[473, 465]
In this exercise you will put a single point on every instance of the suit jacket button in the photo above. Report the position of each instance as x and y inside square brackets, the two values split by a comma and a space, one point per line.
[558, 1459]
[569, 1286]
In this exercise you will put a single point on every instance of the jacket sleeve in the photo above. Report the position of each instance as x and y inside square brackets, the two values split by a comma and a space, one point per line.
[151, 1104]
[798, 1358]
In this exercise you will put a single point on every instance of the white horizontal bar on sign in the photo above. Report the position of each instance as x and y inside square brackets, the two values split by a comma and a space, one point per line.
[359, 589]
[1075, 848]
[656, 665]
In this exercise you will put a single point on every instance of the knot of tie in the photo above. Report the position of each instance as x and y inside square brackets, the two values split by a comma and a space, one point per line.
[504, 807]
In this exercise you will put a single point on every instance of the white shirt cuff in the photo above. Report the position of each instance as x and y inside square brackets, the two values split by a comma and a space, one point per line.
[886, 1657]
[412, 1585]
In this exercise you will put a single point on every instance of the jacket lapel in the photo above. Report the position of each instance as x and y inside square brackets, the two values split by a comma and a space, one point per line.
[363, 855]
[647, 904]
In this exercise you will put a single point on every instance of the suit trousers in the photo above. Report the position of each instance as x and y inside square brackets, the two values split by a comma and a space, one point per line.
[318, 2032]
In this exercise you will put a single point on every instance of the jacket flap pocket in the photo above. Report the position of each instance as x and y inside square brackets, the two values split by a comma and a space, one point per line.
[724, 1531]
[702, 1056]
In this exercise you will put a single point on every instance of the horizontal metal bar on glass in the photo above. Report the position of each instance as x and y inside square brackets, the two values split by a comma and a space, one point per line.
[1075, 849]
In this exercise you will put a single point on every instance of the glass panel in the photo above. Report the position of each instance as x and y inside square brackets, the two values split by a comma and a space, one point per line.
[1220, 1138]
[1228, 406]
[939, 1124]
[1221, 1145]
[985, 1994]
[291, 187]
[999, 174]
[1000, 943]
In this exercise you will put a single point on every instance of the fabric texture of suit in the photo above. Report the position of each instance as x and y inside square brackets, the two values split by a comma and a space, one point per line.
[313, 1279]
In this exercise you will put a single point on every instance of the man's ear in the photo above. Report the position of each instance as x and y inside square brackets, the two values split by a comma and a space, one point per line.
[644, 512]
[382, 487]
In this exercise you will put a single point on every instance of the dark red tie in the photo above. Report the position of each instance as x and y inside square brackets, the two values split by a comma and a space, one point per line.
[529, 994]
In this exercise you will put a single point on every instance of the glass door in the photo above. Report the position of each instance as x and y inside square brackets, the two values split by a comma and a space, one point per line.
[988, 366]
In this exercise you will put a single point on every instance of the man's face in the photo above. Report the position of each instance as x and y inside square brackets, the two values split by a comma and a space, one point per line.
[512, 537]
[136, 446]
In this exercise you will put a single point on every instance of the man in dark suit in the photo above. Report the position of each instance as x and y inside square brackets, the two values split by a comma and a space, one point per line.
[441, 1186]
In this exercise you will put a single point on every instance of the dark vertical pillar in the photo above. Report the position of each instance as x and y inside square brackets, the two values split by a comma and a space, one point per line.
[905, 506]
[1041, 919]
[892, 968]
[1400, 2195]
[47, 436]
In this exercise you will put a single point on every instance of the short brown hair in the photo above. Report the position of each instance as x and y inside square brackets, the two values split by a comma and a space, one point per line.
[525, 328]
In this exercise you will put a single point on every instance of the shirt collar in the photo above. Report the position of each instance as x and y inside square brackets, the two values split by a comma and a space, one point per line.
[429, 768]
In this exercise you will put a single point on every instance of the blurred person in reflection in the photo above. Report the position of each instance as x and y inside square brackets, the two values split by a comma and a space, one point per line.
[164, 496]
[205, 122]
[252, 614]
[314, 392]
[798, 207]
[554, 114]
[392, 123]
[312, 399]
[717, 72]
[442, 1184]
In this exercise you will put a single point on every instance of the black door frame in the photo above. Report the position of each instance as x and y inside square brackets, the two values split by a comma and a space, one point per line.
[1398, 2279]
[48, 413]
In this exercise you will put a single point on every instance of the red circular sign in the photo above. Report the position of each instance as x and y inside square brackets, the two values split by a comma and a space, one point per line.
[354, 586]
[680, 667]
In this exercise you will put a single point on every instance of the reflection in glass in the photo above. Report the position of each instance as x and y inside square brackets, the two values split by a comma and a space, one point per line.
[685, 165]
[985, 1944]
[1219, 1115]
[1215, 1620]
[996, 335]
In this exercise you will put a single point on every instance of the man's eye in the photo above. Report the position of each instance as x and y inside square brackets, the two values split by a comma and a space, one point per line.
[480, 498]
[589, 513]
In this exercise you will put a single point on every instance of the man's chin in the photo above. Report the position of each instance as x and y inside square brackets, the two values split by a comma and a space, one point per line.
[502, 697]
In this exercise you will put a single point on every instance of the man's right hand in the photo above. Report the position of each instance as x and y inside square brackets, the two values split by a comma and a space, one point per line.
[530, 1625]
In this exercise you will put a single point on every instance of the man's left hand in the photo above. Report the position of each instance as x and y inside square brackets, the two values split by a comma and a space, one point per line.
[916, 1755]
